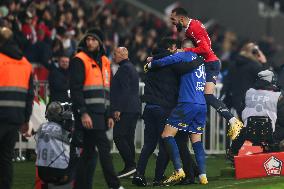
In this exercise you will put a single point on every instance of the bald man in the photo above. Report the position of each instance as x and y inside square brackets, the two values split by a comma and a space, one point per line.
[125, 108]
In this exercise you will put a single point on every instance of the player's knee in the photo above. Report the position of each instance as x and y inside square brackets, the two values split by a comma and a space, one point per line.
[209, 88]
[195, 138]
[168, 132]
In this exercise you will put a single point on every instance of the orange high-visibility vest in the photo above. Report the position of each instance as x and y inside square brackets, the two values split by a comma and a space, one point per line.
[97, 82]
[14, 81]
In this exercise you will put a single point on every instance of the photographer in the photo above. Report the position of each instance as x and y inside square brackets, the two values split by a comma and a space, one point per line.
[262, 115]
[242, 75]
[55, 158]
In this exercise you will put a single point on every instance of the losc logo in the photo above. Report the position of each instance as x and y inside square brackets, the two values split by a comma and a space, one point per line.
[273, 166]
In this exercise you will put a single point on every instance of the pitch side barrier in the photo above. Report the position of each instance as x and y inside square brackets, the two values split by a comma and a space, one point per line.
[214, 138]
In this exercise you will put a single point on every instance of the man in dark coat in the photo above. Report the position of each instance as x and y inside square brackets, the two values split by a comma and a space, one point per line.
[125, 108]
[58, 80]
[242, 75]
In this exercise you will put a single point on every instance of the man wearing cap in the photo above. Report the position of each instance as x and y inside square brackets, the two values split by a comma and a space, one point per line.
[89, 83]
[263, 100]
[16, 98]
[125, 108]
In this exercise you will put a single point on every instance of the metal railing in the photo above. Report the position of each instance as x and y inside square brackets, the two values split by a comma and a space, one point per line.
[214, 137]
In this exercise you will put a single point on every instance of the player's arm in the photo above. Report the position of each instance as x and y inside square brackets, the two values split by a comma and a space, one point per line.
[184, 67]
[174, 59]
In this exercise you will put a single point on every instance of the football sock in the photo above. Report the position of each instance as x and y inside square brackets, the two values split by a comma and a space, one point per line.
[172, 149]
[219, 106]
[199, 156]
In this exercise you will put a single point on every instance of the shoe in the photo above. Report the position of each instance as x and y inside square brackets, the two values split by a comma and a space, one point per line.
[203, 179]
[126, 172]
[235, 129]
[186, 181]
[176, 177]
[139, 180]
[159, 182]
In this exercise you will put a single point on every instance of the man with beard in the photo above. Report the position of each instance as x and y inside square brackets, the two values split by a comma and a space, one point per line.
[195, 31]
[89, 83]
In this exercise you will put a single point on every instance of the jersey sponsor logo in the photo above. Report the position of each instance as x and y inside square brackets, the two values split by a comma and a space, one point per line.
[273, 166]
[200, 128]
[182, 124]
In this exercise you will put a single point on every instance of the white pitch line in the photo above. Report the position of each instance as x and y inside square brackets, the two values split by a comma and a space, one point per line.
[243, 182]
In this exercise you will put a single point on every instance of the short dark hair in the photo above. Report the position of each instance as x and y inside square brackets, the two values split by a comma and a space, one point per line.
[167, 42]
[180, 11]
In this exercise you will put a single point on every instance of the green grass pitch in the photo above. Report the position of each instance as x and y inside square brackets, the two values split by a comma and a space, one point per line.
[24, 177]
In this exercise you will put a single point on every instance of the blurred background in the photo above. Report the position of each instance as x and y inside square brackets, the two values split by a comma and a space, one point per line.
[46, 28]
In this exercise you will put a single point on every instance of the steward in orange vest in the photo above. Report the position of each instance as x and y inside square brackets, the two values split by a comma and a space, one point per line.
[16, 98]
[90, 77]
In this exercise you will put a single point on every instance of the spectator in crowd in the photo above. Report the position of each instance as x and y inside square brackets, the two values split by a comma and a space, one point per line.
[263, 105]
[248, 63]
[16, 98]
[125, 108]
[90, 82]
[161, 93]
[58, 79]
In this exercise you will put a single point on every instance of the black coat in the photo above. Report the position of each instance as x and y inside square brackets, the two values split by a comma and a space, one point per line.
[162, 85]
[58, 81]
[241, 76]
[124, 89]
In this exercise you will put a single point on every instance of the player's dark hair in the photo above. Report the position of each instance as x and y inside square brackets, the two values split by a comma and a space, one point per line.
[167, 42]
[180, 11]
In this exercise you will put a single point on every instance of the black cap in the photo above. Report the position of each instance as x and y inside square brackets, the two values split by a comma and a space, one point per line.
[97, 33]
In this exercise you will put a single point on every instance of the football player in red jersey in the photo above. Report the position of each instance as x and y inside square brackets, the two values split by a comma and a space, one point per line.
[196, 31]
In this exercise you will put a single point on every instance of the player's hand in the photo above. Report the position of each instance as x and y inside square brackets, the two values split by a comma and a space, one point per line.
[87, 121]
[180, 50]
[24, 128]
[116, 115]
[149, 59]
[110, 123]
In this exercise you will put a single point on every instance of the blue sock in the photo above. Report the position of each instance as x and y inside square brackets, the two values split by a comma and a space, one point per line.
[199, 156]
[172, 149]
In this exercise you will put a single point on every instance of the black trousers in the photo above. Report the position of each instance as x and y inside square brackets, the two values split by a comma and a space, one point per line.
[123, 136]
[8, 136]
[154, 118]
[87, 162]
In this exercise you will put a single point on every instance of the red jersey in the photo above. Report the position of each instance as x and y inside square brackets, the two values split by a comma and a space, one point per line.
[197, 33]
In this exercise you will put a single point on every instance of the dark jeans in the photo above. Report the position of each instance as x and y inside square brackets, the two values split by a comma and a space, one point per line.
[86, 166]
[123, 136]
[154, 119]
[8, 136]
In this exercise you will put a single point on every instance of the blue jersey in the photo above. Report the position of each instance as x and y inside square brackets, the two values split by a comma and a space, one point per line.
[192, 83]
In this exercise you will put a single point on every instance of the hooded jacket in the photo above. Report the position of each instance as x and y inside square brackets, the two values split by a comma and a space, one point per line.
[77, 73]
[15, 115]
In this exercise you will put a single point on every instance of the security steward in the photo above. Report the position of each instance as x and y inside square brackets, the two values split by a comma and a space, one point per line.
[90, 84]
[16, 98]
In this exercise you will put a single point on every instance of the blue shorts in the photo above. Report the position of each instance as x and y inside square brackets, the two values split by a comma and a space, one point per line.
[212, 70]
[188, 117]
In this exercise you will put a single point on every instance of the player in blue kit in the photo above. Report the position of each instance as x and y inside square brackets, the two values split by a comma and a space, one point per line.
[188, 116]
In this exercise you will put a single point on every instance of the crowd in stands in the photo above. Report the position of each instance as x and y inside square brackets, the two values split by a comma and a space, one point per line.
[46, 28]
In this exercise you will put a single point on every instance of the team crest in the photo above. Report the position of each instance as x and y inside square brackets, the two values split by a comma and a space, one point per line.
[273, 166]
